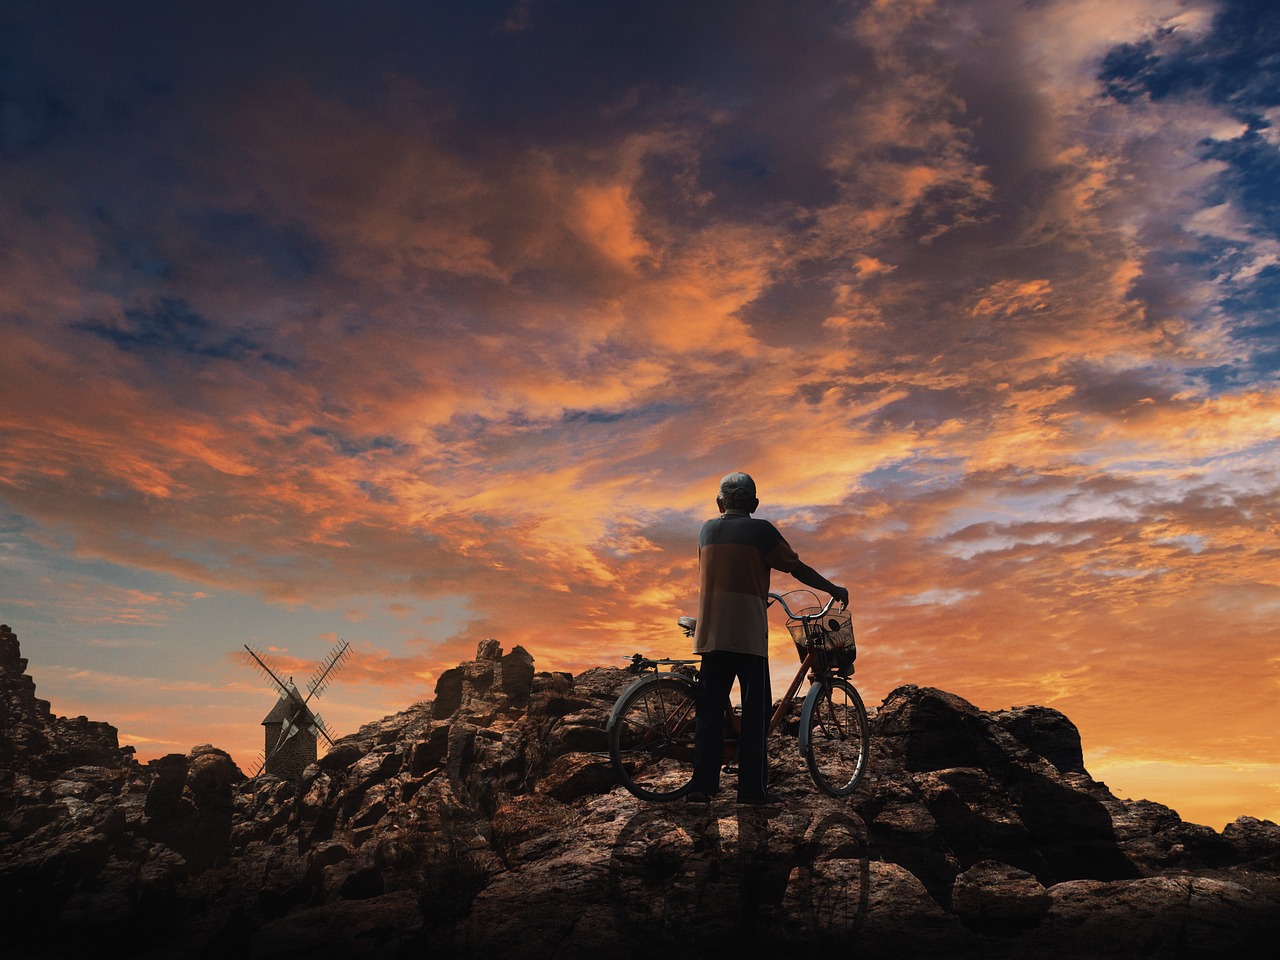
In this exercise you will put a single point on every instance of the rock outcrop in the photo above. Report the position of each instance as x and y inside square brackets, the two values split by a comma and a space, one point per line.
[32, 740]
[487, 822]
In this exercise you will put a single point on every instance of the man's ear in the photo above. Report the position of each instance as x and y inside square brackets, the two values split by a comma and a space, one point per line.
[720, 504]
[755, 505]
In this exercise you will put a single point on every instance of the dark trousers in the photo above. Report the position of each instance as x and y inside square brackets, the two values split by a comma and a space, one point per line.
[719, 669]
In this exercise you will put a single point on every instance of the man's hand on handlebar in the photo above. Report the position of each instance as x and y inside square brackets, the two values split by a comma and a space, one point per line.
[812, 578]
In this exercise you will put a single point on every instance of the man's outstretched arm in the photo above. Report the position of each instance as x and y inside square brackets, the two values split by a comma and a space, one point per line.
[812, 578]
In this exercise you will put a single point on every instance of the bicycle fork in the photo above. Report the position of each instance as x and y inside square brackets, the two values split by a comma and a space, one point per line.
[812, 703]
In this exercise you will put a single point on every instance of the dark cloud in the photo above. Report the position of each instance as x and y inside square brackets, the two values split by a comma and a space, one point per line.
[247, 244]
[171, 329]
[1237, 62]
[1235, 65]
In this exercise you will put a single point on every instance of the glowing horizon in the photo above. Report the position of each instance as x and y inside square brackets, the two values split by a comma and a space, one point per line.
[417, 327]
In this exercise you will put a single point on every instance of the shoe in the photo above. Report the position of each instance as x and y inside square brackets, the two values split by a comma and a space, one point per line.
[697, 796]
[768, 798]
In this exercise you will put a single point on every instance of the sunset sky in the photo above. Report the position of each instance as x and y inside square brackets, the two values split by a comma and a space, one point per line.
[417, 323]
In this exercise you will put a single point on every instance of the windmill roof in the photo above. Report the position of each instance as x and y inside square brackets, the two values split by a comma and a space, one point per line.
[279, 713]
[283, 711]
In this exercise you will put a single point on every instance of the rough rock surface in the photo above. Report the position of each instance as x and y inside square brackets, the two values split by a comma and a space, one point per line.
[485, 822]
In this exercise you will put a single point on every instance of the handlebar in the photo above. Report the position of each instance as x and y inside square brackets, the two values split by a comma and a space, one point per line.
[781, 598]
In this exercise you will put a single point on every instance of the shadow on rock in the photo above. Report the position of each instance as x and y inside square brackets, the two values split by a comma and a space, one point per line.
[742, 881]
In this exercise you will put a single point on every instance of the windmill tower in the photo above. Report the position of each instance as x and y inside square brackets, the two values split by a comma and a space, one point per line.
[292, 728]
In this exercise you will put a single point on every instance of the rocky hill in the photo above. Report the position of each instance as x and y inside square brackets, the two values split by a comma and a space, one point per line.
[485, 822]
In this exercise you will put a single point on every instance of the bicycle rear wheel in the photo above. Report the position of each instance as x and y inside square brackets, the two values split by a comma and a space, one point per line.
[651, 737]
[834, 736]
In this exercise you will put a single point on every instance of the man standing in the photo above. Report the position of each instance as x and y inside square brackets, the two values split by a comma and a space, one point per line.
[735, 554]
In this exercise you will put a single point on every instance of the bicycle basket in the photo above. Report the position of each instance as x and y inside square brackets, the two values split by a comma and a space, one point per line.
[832, 635]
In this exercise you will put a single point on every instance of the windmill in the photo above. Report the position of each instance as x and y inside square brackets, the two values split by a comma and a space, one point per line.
[292, 728]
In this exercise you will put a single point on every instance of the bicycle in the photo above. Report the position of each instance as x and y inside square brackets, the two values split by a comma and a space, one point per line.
[650, 728]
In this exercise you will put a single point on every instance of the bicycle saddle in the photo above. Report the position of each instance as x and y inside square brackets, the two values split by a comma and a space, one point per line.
[688, 623]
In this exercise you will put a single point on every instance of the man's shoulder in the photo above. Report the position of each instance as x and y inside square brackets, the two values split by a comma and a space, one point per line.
[740, 529]
[760, 523]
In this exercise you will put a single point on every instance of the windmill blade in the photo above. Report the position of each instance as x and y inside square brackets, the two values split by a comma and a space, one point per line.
[318, 727]
[258, 765]
[267, 671]
[324, 674]
[287, 732]
[303, 717]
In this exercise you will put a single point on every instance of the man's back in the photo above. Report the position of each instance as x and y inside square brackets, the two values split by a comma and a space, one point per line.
[736, 553]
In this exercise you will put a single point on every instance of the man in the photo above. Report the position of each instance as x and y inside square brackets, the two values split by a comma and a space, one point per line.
[735, 554]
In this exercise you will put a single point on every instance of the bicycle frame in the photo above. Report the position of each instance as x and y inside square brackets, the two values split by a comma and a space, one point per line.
[784, 705]
[807, 667]
[651, 727]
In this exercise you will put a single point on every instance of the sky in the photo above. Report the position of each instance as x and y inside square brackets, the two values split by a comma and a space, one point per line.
[414, 324]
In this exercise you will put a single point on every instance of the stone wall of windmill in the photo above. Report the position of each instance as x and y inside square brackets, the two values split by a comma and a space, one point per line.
[294, 754]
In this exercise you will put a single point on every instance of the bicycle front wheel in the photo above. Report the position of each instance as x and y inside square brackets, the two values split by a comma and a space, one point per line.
[834, 737]
[651, 737]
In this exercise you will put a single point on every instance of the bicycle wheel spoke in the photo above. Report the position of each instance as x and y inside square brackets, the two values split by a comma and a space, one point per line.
[651, 738]
[831, 723]
[837, 738]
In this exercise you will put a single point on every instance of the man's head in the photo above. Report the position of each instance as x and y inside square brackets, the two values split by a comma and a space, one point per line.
[737, 492]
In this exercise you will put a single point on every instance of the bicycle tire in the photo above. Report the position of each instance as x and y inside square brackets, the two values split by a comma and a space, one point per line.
[651, 737]
[834, 736]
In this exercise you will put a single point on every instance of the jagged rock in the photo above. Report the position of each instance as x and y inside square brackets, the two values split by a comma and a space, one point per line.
[576, 775]
[211, 773]
[165, 799]
[1156, 839]
[486, 822]
[1046, 731]
[11, 661]
[1162, 917]
[342, 755]
[517, 674]
[936, 730]
[996, 898]
[190, 804]
[1255, 841]
[32, 739]
[376, 765]
[448, 694]
[526, 827]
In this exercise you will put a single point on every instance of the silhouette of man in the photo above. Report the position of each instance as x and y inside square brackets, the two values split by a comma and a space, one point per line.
[736, 552]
